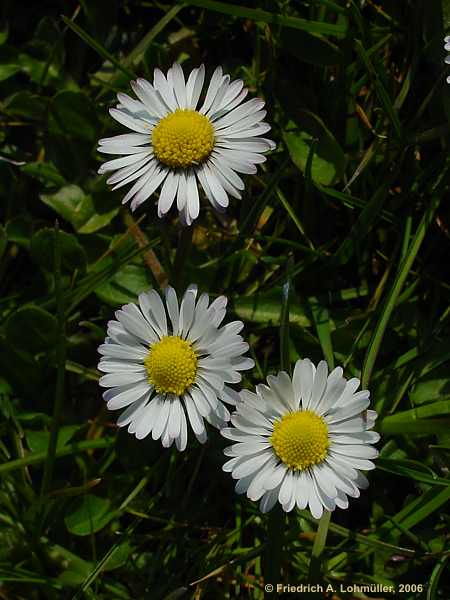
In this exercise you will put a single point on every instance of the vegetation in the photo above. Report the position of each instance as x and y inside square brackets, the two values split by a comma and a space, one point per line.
[349, 217]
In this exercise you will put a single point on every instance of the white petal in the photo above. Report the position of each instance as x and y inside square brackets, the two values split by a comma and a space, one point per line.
[173, 309]
[175, 418]
[148, 189]
[195, 418]
[193, 202]
[252, 464]
[213, 87]
[134, 124]
[147, 94]
[194, 86]
[181, 440]
[320, 382]
[153, 309]
[268, 501]
[168, 193]
[126, 397]
[161, 417]
[179, 85]
[167, 93]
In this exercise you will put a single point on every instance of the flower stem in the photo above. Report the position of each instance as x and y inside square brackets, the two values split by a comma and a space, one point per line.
[60, 378]
[150, 258]
[277, 519]
[275, 533]
[315, 570]
[183, 251]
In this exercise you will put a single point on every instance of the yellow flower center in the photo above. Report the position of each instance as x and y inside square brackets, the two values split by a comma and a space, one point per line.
[300, 439]
[171, 365]
[183, 138]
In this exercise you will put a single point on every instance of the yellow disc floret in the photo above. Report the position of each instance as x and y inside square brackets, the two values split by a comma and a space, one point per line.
[183, 138]
[171, 365]
[300, 439]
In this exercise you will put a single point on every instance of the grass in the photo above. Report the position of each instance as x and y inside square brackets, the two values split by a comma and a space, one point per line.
[337, 250]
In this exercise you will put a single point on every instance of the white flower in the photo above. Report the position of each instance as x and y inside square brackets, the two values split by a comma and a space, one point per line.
[302, 441]
[447, 48]
[175, 144]
[163, 369]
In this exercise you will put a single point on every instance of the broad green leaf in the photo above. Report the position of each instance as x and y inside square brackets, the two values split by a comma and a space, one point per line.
[19, 230]
[415, 426]
[45, 172]
[26, 105]
[431, 387]
[125, 285]
[3, 240]
[119, 557]
[38, 440]
[42, 248]
[36, 69]
[7, 71]
[328, 162]
[73, 114]
[3, 35]
[87, 213]
[266, 308]
[32, 329]
[91, 514]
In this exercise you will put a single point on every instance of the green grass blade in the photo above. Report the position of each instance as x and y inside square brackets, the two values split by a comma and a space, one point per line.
[321, 319]
[256, 14]
[97, 47]
[37, 458]
[61, 370]
[391, 300]
[397, 468]
[433, 590]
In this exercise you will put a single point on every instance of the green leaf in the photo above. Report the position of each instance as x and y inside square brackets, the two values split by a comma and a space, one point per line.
[87, 213]
[396, 288]
[119, 557]
[45, 172]
[431, 387]
[328, 162]
[3, 240]
[36, 69]
[403, 469]
[38, 440]
[19, 230]
[73, 114]
[322, 322]
[266, 309]
[310, 48]
[42, 248]
[124, 286]
[91, 514]
[7, 71]
[268, 17]
[3, 35]
[31, 328]
[26, 105]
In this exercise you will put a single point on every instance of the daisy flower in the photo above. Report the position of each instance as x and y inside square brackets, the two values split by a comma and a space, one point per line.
[447, 49]
[167, 364]
[176, 145]
[302, 441]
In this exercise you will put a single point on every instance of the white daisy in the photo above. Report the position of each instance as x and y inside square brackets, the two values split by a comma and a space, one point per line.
[302, 441]
[174, 144]
[163, 369]
[447, 48]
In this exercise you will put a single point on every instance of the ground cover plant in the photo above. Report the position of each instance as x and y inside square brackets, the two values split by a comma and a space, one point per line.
[336, 251]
